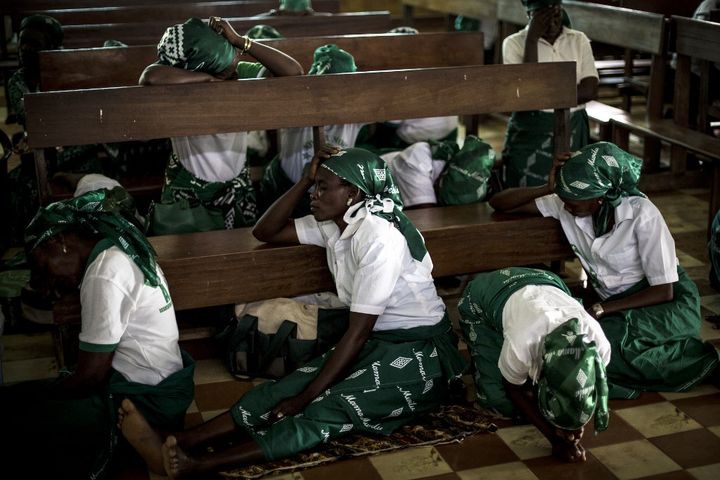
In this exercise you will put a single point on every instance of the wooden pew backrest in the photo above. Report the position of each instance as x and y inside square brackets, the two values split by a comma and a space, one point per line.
[144, 113]
[233, 267]
[170, 12]
[468, 8]
[114, 67]
[83, 36]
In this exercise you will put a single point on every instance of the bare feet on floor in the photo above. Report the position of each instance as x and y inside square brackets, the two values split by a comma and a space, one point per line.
[141, 436]
[177, 464]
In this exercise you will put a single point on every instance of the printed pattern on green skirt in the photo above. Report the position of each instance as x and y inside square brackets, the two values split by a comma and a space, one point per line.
[235, 198]
[481, 308]
[528, 152]
[658, 348]
[391, 383]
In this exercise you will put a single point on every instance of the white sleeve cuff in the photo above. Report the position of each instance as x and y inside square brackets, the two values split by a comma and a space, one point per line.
[367, 309]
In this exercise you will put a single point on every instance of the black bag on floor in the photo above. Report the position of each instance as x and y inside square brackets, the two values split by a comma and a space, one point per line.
[255, 346]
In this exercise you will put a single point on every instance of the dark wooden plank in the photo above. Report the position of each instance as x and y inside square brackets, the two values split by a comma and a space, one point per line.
[697, 38]
[232, 266]
[144, 113]
[111, 67]
[468, 8]
[171, 12]
[82, 36]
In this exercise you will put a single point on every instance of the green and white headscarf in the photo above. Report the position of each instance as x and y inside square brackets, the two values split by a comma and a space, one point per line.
[466, 24]
[295, 5]
[103, 212]
[600, 170]
[195, 46]
[371, 175]
[404, 29]
[573, 383]
[262, 32]
[331, 59]
[468, 169]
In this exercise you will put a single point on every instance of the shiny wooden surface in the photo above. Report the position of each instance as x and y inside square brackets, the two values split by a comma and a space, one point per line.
[70, 69]
[214, 268]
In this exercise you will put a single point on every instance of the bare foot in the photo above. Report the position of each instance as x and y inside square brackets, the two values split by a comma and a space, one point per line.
[142, 436]
[568, 452]
[177, 464]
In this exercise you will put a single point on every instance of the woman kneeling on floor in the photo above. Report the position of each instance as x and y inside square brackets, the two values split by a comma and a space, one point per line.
[537, 353]
[393, 363]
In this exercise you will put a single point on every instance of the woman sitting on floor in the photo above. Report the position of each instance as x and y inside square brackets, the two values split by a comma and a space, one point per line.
[393, 363]
[649, 308]
[128, 342]
[537, 353]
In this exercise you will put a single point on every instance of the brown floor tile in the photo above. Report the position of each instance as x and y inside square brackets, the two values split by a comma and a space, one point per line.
[477, 451]
[704, 409]
[193, 419]
[550, 468]
[219, 395]
[618, 431]
[690, 449]
[679, 475]
[645, 398]
[355, 469]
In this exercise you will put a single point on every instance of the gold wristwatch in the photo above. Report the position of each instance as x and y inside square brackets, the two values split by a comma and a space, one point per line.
[598, 310]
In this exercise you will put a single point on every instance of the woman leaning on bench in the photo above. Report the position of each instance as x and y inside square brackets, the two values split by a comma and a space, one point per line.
[210, 169]
[393, 363]
[648, 307]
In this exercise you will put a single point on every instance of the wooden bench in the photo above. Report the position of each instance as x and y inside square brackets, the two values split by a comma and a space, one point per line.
[699, 40]
[170, 12]
[71, 69]
[112, 67]
[93, 35]
[214, 268]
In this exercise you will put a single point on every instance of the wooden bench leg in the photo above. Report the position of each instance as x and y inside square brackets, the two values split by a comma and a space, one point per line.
[678, 160]
[621, 137]
[651, 154]
[714, 203]
[604, 131]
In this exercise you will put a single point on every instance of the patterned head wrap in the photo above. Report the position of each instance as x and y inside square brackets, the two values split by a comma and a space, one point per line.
[113, 43]
[534, 5]
[295, 5]
[193, 45]
[371, 175]
[467, 173]
[466, 24]
[262, 32]
[572, 383]
[331, 59]
[600, 170]
[99, 212]
[48, 26]
[404, 29]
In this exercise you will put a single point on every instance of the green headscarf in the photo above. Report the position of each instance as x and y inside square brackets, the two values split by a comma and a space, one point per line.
[99, 212]
[466, 24]
[370, 174]
[193, 45]
[534, 5]
[262, 32]
[572, 384]
[466, 176]
[600, 170]
[295, 5]
[331, 59]
[404, 29]
[48, 26]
